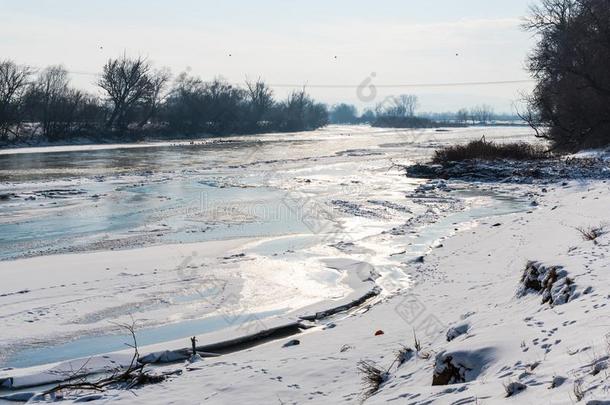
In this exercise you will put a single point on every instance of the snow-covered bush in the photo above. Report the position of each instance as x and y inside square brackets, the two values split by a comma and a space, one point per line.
[457, 331]
[552, 282]
[460, 366]
[514, 388]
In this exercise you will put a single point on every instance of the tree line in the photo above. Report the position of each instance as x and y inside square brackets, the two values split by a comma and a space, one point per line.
[137, 99]
[401, 111]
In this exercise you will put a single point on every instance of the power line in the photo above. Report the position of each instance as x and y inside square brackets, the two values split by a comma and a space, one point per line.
[455, 84]
[379, 86]
[84, 73]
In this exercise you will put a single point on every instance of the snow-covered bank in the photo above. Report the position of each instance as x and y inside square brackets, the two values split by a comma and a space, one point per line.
[468, 285]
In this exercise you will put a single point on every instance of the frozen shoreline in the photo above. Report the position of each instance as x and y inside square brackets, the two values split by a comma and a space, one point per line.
[471, 280]
[362, 290]
[163, 274]
[467, 284]
[384, 231]
[168, 272]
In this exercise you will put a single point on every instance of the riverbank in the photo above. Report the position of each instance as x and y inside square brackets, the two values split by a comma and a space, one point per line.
[469, 287]
[535, 171]
[129, 140]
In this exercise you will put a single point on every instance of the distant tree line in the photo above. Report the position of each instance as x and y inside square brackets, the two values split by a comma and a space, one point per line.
[400, 111]
[570, 105]
[139, 100]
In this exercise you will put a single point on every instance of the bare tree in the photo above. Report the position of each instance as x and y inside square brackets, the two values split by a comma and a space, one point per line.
[531, 117]
[51, 102]
[60, 110]
[154, 97]
[127, 83]
[398, 106]
[571, 100]
[482, 114]
[260, 99]
[185, 108]
[294, 110]
[407, 104]
[462, 115]
[205, 107]
[225, 105]
[14, 80]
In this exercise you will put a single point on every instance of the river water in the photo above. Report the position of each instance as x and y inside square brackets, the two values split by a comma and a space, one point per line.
[87, 199]
[302, 196]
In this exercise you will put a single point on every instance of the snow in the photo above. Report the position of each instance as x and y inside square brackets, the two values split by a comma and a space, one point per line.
[149, 284]
[43, 375]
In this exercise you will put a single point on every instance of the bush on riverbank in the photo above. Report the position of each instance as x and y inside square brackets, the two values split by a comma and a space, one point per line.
[486, 150]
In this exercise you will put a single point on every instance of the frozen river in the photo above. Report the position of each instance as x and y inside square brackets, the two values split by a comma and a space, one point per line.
[95, 235]
[85, 198]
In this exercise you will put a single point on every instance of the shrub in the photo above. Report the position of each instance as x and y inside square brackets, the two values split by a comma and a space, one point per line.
[485, 150]
[372, 378]
[404, 122]
[578, 391]
[513, 388]
[591, 234]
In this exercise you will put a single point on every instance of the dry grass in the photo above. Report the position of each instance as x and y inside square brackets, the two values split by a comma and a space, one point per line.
[372, 378]
[403, 354]
[485, 150]
[512, 388]
[591, 233]
[416, 342]
[578, 391]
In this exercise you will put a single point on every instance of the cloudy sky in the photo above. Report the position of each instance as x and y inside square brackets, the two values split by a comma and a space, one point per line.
[336, 44]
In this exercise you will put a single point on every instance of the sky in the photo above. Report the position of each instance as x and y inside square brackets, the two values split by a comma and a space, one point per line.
[334, 47]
